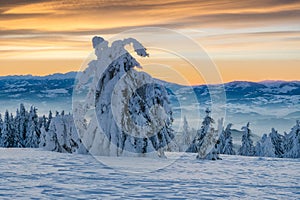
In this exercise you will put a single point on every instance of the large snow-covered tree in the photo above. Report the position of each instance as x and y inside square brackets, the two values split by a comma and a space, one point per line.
[133, 113]
[247, 148]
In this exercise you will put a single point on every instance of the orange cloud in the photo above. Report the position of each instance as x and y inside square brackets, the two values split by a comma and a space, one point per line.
[37, 31]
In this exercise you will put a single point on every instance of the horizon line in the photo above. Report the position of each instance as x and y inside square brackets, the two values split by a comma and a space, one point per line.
[64, 73]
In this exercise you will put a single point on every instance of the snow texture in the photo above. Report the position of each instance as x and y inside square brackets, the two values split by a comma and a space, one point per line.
[31, 173]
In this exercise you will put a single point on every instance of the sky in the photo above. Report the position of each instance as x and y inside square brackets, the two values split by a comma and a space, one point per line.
[251, 40]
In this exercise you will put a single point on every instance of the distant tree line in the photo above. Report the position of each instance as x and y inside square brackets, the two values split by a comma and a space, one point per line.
[27, 130]
[23, 129]
[271, 145]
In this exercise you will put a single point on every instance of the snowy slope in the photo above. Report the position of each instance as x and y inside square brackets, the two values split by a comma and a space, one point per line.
[31, 173]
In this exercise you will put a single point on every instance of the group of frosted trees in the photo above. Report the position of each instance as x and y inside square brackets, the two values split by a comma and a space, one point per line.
[208, 142]
[281, 146]
[27, 130]
[21, 130]
[58, 133]
[271, 145]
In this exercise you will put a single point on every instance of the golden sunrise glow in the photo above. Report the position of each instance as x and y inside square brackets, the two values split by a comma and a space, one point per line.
[247, 40]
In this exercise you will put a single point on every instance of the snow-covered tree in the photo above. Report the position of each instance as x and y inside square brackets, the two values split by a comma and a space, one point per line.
[43, 136]
[23, 124]
[226, 145]
[33, 130]
[247, 148]
[62, 136]
[291, 142]
[1, 127]
[133, 115]
[42, 121]
[184, 138]
[265, 147]
[7, 136]
[277, 141]
[258, 147]
[206, 142]
[206, 126]
[148, 105]
[15, 124]
[48, 121]
[210, 144]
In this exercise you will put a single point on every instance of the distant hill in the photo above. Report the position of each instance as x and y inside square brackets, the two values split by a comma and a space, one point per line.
[265, 104]
[56, 76]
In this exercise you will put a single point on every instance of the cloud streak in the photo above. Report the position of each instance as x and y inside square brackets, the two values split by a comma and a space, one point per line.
[226, 28]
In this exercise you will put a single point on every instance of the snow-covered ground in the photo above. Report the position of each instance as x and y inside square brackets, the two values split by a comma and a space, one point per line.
[32, 173]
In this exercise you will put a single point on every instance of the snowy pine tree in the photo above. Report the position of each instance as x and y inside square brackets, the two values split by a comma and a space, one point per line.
[206, 126]
[48, 121]
[206, 142]
[291, 142]
[15, 130]
[247, 148]
[258, 146]
[33, 130]
[186, 137]
[62, 136]
[226, 145]
[43, 136]
[23, 124]
[8, 137]
[277, 141]
[265, 147]
[210, 144]
[42, 121]
[1, 127]
[17, 126]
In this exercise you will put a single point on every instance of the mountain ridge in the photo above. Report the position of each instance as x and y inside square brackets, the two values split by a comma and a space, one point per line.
[72, 74]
